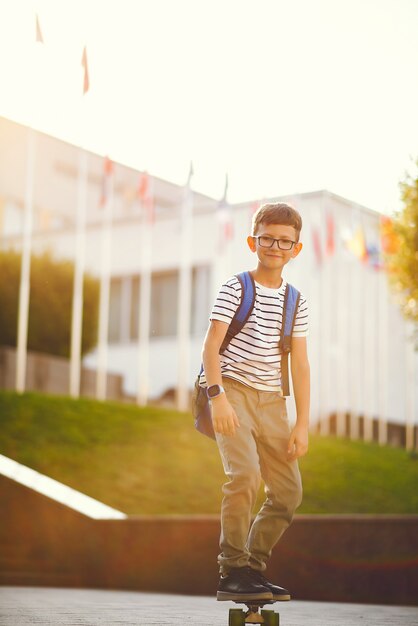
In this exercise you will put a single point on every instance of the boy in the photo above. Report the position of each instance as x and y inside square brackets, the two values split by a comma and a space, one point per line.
[249, 411]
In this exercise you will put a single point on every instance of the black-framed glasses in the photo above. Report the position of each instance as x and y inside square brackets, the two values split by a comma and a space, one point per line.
[268, 242]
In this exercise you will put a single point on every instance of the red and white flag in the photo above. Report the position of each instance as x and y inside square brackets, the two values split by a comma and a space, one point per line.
[316, 243]
[106, 181]
[330, 230]
[146, 196]
[86, 79]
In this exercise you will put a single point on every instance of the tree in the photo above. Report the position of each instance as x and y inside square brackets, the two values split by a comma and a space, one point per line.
[50, 307]
[400, 242]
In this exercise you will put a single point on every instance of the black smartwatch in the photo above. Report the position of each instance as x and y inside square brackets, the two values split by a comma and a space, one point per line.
[214, 391]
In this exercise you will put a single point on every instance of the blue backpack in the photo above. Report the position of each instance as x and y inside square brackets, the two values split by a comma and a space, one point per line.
[200, 403]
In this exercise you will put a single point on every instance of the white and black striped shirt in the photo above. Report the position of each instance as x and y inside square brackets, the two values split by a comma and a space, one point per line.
[252, 356]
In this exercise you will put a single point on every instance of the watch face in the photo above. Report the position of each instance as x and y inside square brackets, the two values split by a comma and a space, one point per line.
[213, 391]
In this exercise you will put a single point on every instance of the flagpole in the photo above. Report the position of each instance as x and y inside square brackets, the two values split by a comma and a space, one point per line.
[357, 289]
[24, 289]
[335, 341]
[185, 297]
[79, 259]
[323, 361]
[358, 331]
[317, 278]
[324, 340]
[369, 365]
[351, 351]
[341, 334]
[410, 364]
[79, 265]
[144, 329]
[383, 357]
[102, 352]
[147, 202]
[225, 233]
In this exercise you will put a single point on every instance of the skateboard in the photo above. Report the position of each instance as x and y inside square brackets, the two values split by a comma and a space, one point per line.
[254, 615]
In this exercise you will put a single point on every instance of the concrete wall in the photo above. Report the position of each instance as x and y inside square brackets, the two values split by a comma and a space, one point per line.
[51, 374]
[372, 559]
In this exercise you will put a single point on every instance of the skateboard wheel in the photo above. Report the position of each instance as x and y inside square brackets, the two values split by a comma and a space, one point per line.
[270, 618]
[236, 617]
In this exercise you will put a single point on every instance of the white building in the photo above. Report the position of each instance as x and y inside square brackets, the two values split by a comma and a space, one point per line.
[361, 353]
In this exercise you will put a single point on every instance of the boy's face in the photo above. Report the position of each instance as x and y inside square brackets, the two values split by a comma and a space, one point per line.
[274, 257]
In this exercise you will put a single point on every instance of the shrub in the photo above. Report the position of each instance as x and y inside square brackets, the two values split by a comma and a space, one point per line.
[50, 307]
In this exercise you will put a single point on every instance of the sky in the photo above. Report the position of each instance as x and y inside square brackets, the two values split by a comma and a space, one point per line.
[284, 97]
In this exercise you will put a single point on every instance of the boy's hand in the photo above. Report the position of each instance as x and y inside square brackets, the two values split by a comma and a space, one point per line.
[298, 443]
[224, 418]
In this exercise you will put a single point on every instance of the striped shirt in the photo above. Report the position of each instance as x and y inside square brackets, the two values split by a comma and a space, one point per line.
[252, 357]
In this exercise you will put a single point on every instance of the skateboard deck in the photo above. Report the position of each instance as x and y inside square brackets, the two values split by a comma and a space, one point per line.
[255, 613]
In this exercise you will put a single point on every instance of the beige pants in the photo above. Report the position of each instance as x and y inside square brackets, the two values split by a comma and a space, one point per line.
[257, 450]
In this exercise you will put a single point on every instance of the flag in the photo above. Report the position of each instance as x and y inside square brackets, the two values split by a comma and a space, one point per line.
[316, 243]
[330, 230]
[357, 245]
[107, 174]
[86, 81]
[389, 239]
[146, 196]
[39, 37]
[373, 256]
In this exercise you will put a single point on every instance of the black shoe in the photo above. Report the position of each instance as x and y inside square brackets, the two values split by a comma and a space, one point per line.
[239, 583]
[278, 592]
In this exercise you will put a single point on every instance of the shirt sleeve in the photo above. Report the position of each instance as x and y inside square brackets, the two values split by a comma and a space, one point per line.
[300, 328]
[227, 301]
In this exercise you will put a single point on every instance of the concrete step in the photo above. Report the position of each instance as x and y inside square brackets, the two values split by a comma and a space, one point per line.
[38, 577]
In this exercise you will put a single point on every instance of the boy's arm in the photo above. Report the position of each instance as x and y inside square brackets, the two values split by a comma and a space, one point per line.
[224, 417]
[298, 442]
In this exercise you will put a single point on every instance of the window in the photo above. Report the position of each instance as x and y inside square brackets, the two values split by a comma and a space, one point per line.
[134, 309]
[124, 307]
[164, 300]
[115, 310]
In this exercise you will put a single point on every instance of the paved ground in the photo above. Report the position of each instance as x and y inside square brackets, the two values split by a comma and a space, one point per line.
[22, 606]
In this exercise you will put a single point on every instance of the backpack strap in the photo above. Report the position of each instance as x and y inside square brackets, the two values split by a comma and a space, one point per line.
[290, 307]
[244, 309]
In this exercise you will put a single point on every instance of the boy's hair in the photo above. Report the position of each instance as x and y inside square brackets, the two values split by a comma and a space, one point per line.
[277, 213]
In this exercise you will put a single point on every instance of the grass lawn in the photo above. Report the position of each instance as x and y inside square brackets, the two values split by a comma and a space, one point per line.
[152, 461]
